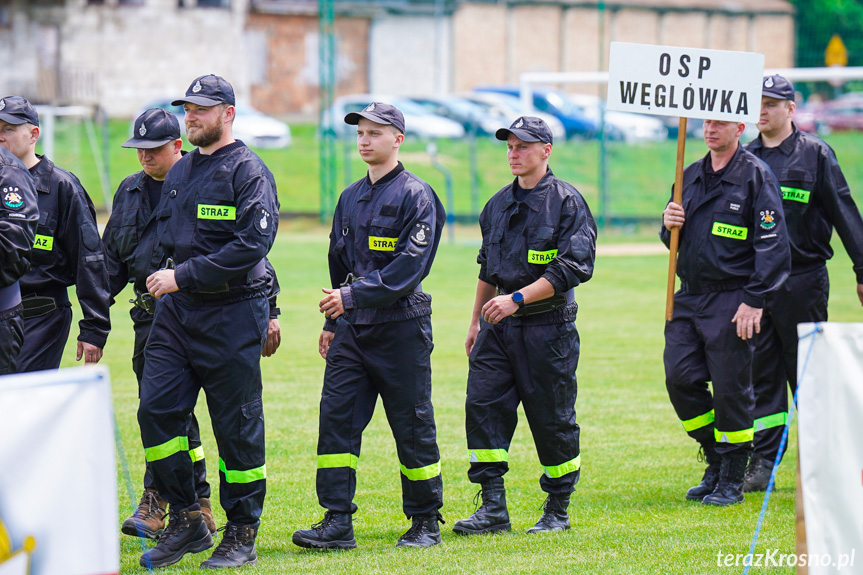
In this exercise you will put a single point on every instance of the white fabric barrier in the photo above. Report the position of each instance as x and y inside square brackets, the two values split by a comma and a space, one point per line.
[830, 436]
[58, 476]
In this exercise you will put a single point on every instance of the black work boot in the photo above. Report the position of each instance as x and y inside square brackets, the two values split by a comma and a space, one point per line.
[237, 548]
[186, 533]
[554, 516]
[148, 520]
[711, 474]
[757, 474]
[491, 516]
[424, 531]
[334, 531]
[729, 489]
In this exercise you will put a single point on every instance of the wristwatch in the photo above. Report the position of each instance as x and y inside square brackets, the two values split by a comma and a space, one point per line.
[518, 298]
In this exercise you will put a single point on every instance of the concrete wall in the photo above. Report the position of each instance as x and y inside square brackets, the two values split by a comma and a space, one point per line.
[410, 55]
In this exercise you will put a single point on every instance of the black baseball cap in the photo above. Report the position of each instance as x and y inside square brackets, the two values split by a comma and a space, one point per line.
[527, 129]
[155, 127]
[17, 110]
[208, 90]
[777, 87]
[380, 113]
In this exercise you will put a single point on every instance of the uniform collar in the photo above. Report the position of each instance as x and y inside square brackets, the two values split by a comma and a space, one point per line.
[535, 198]
[137, 182]
[391, 175]
[786, 146]
[41, 173]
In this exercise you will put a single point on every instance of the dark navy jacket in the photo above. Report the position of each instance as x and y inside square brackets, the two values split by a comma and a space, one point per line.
[68, 249]
[132, 249]
[19, 213]
[815, 197]
[386, 233]
[218, 219]
[734, 234]
[551, 235]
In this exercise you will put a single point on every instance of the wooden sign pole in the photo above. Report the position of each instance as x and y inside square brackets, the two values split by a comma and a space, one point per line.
[677, 197]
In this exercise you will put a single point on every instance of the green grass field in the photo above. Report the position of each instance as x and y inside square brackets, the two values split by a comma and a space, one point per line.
[628, 512]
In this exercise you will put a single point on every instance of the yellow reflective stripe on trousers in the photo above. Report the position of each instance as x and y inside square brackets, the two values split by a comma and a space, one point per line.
[421, 473]
[197, 454]
[338, 460]
[247, 476]
[555, 471]
[167, 449]
[702, 420]
[768, 421]
[488, 455]
[734, 436]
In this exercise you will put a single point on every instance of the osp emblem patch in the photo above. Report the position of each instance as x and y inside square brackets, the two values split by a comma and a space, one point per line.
[263, 222]
[142, 130]
[768, 83]
[767, 221]
[12, 199]
[520, 123]
[421, 234]
[197, 87]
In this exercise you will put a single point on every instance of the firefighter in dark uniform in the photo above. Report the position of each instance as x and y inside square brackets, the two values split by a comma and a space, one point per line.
[733, 255]
[377, 337]
[538, 244]
[216, 223]
[815, 199]
[67, 251]
[133, 253]
[19, 214]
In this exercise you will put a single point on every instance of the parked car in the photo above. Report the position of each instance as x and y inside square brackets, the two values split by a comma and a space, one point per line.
[622, 125]
[507, 108]
[418, 121]
[470, 115]
[254, 128]
[842, 114]
[573, 117]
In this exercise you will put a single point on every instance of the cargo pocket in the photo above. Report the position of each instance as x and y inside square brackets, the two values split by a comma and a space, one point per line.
[251, 440]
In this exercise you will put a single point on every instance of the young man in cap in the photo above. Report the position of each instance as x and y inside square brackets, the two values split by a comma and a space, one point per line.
[19, 214]
[733, 255]
[67, 251]
[815, 199]
[377, 337]
[538, 244]
[216, 223]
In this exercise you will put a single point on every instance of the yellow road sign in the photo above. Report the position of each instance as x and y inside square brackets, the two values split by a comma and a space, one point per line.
[836, 54]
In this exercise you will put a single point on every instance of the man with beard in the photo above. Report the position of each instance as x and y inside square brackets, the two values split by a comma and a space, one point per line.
[733, 256]
[216, 223]
[67, 251]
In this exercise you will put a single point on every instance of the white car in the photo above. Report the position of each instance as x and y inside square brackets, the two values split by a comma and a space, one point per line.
[419, 122]
[624, 126]
[254, 128]
[508, 108]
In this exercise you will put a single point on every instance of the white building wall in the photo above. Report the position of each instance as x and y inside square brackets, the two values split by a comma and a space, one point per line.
[410, 55]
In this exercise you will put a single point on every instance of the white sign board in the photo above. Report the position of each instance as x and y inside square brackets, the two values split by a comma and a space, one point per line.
[685, 82]
[58, 477]
[830, 399]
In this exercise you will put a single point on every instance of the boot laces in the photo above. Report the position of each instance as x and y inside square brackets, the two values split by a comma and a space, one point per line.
[479, 499]
[232, 539]
[320, 526]
[176, 521]
[147, 507]
[701, 457]
[419, 525]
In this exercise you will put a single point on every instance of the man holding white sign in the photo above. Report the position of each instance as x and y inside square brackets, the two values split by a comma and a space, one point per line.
[733, 253]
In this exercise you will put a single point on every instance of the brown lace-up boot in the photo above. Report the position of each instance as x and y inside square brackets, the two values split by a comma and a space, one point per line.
[148, 520]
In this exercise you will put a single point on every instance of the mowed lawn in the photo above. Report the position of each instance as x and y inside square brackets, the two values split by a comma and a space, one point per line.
[628, 512]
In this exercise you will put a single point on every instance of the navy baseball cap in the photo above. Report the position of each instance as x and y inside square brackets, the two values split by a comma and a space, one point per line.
[380, 113]
[777, 87]
[17, 110]
[155, 127]
[208, 90]
[527, 129]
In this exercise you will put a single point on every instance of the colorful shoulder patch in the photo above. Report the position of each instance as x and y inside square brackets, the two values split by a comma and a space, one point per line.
[421, 234]
[767, 220]
[12, 198]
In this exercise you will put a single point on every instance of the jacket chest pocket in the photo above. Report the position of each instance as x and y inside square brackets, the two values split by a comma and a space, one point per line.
[541, 245]
[495, 250]
[44, 245]
[797, 186]
[125, 236]
[214, 217]
[383, 236]
[729, 226]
